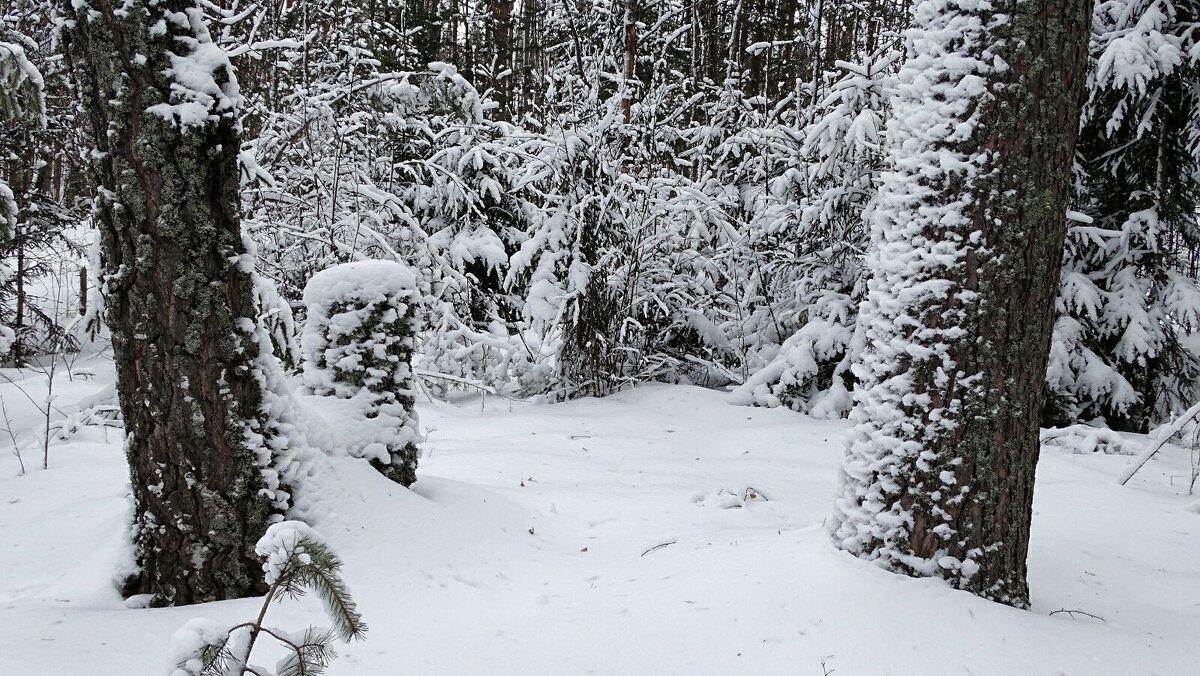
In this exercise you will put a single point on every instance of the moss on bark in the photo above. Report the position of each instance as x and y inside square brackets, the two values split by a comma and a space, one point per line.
[177, 302]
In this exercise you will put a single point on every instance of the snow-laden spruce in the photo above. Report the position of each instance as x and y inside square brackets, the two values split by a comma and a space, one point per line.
[22, 103]
[358, 344]
[966, 239]
[819, 208]
[1129, 297]
[7, 336]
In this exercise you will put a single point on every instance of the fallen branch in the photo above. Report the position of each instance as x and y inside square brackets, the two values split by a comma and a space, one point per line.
[421, 373]
[1073, 613]
[1163, 438]
[659, 546]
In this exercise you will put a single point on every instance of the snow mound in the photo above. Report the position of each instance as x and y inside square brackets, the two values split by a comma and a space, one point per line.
[1082, 439]
[727, 499]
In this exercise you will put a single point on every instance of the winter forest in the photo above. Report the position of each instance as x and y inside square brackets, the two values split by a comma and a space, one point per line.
[382, 337]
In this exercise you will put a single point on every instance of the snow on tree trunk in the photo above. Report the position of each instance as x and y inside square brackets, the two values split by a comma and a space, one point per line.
[966, 243]
[213, 445]
[358, 344]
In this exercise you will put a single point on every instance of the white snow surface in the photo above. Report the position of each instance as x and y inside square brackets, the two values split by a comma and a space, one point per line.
[194, 636]
[658, 531]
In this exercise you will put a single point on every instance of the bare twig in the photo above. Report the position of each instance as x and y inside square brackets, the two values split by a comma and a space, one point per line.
[659, 546]
[12, 435]
[1073, 613]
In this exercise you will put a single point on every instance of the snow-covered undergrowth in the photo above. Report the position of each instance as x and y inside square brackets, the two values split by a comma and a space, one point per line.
[658, 531]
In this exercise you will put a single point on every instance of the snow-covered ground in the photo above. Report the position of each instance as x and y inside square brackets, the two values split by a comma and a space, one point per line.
[613, 537]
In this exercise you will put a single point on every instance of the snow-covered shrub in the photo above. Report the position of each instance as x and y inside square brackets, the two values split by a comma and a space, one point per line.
[275, 317]
[809, 232]
[810, 371]
[295, 561]
[358, 344]
[6, 338]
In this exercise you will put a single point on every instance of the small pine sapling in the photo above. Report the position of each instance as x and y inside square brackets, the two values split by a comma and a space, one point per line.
[358, 345]
[296, 561]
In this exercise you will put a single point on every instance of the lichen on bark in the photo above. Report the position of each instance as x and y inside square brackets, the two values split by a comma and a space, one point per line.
[190, 371]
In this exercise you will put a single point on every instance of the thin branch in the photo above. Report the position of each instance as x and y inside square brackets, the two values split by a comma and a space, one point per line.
[1073, 613]
[659, 546]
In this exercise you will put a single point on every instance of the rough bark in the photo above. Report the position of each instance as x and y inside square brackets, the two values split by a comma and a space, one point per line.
[179, 305]
[940, 474]
[1030, 128]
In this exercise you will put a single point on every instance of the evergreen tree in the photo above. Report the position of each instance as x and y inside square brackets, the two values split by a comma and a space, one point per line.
[808, 238]
[358, 345]
[21, 104]
[38, 180]
[296, 561]
[1129, 295]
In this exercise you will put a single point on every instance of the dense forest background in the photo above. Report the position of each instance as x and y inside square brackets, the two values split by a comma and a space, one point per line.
[600, 192]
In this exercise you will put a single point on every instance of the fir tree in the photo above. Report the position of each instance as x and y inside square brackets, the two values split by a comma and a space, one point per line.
[358, 345]
[1129, 296]
[296, 561]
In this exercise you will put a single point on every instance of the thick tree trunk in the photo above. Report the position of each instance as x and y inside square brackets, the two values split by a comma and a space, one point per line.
[179, 303]
[940, 470]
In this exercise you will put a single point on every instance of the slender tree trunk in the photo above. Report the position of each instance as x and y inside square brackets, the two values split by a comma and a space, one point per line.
[501, 23]
[631, 47]
[967, 243]
[529, 89]
[180, 304]
[18, 354]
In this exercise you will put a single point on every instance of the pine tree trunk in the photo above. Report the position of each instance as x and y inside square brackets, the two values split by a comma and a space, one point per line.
[631, 49]
[530, 92]
[940, 470]
[179, 304]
